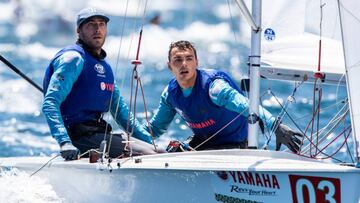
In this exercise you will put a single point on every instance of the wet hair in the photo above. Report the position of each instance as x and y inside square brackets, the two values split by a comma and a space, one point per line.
[182, 45]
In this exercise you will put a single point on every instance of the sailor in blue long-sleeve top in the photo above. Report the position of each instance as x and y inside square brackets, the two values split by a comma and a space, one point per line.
[211, 104]
[80, 87]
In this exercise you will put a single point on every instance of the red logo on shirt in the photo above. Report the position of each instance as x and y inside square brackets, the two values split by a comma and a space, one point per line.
[107, 86]
[204, 124]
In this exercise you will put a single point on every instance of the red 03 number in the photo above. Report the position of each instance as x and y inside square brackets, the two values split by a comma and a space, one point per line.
[313, 189]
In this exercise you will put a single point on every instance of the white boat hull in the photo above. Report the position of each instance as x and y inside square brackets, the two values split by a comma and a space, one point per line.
[207, 176]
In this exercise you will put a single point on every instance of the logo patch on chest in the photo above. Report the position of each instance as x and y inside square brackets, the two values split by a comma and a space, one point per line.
[99, 68]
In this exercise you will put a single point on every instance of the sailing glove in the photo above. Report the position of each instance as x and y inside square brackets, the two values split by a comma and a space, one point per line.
[288, 137]
[68, 151]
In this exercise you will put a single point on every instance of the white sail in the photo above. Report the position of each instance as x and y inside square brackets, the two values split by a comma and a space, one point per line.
[350, 23]
[290, 49]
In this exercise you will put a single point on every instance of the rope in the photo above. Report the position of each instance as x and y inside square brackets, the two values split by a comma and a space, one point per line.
[335, 152]
[283, 110]
[316, 113]
[44, 165]
[146, 116]
[133, 99]
[330, 107]
[134, 75]
[337, 119]
[349, 127]
[318, 75]
[327, 134]
[232, 20]
[318, 141]
[209, 138]
[116, 70]
[341, 118]
[81, 155]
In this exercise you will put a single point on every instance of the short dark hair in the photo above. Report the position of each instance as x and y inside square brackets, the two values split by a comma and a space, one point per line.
[182, 45]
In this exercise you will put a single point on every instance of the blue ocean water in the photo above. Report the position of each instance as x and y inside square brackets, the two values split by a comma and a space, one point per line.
[31, 32]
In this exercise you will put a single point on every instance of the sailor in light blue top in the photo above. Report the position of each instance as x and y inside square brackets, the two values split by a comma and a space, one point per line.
[211, 104]
[79, 87]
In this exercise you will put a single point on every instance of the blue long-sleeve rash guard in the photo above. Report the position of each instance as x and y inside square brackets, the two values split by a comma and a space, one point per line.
[221, 94]
[70, 65]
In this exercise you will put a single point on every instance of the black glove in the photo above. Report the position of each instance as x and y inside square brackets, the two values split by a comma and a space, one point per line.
[288, 137]
[68, 151]
[177, 146]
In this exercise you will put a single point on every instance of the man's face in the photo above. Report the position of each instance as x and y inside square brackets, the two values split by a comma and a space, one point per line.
[183, 65]
[93, 33]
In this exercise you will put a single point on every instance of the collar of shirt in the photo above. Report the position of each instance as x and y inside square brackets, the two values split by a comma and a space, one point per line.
[102, 55]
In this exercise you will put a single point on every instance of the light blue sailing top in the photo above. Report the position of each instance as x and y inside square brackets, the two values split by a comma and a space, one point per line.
[203, 116]
[221, 94]
[95, 83]
[67, 69]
